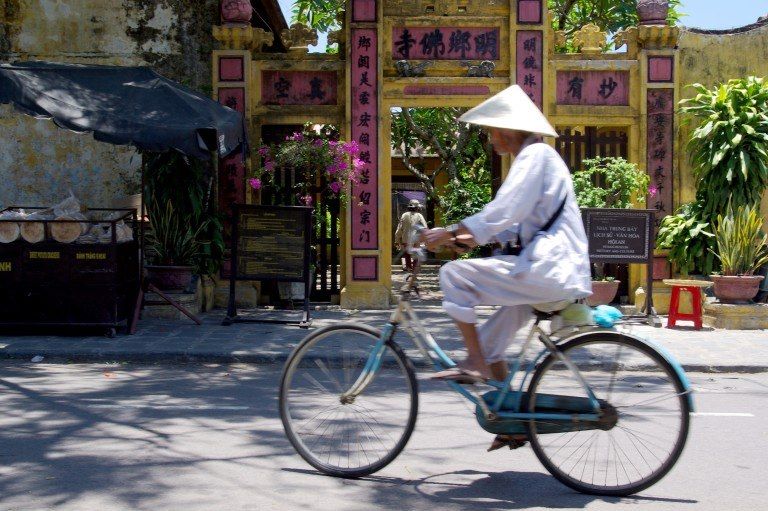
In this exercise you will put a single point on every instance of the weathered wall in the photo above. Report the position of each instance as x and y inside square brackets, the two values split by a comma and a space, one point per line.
[39, 163]
[713, 58]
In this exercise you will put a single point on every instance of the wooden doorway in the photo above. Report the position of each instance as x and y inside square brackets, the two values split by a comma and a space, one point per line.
[326, 235]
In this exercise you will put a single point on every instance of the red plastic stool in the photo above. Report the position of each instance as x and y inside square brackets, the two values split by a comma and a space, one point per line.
[693, 287]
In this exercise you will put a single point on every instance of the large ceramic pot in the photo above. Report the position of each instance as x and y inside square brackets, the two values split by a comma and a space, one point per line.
[236, 11]
[603, 292]
[170, 278]
[741, 289]
[652, 12]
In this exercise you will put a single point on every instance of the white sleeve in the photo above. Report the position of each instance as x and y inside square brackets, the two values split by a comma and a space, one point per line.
[515, 200]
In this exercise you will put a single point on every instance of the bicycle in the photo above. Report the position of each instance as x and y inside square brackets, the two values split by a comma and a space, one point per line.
[349, 401]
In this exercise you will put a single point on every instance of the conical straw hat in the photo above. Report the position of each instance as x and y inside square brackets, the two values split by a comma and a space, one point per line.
[510, 109]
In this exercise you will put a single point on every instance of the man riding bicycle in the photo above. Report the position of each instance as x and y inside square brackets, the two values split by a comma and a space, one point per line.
[536, 204]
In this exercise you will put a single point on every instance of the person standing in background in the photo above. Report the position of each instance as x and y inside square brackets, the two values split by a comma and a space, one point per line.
[408, 221]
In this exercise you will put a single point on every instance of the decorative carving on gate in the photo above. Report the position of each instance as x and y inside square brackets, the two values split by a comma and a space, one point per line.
[590, 39]
[483, 69]
[243, 38]
[236, 11]
[299, 37]
[406, 69]
[629, 37]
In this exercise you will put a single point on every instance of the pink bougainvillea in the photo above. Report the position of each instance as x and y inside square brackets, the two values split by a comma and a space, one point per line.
[315, 160]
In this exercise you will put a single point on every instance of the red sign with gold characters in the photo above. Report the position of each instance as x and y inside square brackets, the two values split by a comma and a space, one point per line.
[593, 88]
[299, 88]
[445, 43]
[365, 131]
[661, 117]
[530, 55]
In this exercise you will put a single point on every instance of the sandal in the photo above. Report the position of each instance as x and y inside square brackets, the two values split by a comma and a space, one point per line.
[511, 441]
[460, 375]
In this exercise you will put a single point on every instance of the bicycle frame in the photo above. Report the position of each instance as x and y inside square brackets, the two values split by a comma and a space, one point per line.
[405, 315]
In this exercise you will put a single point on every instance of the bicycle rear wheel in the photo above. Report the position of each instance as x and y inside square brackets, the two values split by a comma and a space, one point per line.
[341, 437]
[645, 409]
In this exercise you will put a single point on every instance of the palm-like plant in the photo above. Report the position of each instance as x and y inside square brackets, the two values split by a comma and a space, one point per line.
[742, 245]
[729, 150]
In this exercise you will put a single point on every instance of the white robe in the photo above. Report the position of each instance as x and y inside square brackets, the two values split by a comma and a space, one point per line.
[553, 266]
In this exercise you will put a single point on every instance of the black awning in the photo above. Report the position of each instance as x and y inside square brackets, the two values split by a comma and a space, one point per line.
[124, 105]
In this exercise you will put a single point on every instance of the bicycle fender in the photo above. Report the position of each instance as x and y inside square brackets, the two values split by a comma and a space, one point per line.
[661, 350]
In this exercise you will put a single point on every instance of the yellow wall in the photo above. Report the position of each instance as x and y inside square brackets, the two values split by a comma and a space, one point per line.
[40, 163]
[711, 59]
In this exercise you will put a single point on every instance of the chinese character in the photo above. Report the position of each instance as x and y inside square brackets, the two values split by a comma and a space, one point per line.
[365, 198]
[659, 172]
[529, 80]
[660, 121]
[486, 43]
[460, 43]
[231, 102]
[364, 61]
[405, 43]
[659, 154]
[365, 119]
[530, 44]
[365, 176]
[365, 156]
[364, 79]
[365, 237]
[530, 63]
[607, 87]
[660, 137]
[365, 139]
[317, 89]
[660, 206]
[364, 42]
[365, 98]
[575, 87]
[282, 86]
[432, 43]
[365, 217]
[660, 103]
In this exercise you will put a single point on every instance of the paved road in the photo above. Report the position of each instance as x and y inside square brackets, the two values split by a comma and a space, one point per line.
[93, 437]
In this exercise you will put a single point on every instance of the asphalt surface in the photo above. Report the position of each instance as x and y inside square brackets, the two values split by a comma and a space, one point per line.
[207, 437]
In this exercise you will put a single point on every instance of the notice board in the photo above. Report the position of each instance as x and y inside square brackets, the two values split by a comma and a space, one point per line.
[270, 243]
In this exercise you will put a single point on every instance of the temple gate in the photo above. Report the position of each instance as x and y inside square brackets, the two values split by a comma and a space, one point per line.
[436, 53]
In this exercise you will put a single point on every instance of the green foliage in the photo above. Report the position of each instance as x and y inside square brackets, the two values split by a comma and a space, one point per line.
[729, 149]
[609, 183]
[688, 237]
[469, 195]
[610, 15]
[320, 14]
[742, 246]
[179, 193]
[421, 132]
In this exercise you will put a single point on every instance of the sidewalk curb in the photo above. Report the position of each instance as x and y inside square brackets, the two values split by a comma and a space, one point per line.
[274, 359]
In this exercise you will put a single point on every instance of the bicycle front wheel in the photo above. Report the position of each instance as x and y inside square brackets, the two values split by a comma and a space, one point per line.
[337, 435]
[645, 416]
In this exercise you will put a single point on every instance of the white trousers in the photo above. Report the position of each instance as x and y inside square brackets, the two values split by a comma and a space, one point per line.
[494, 281]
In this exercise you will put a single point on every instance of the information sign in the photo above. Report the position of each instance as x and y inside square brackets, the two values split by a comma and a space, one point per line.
[270, 243]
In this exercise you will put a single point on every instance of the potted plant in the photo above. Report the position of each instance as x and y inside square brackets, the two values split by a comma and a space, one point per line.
[742, 248]
[172, 247]
[688, 240]
[186, 234]
[608, 183]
